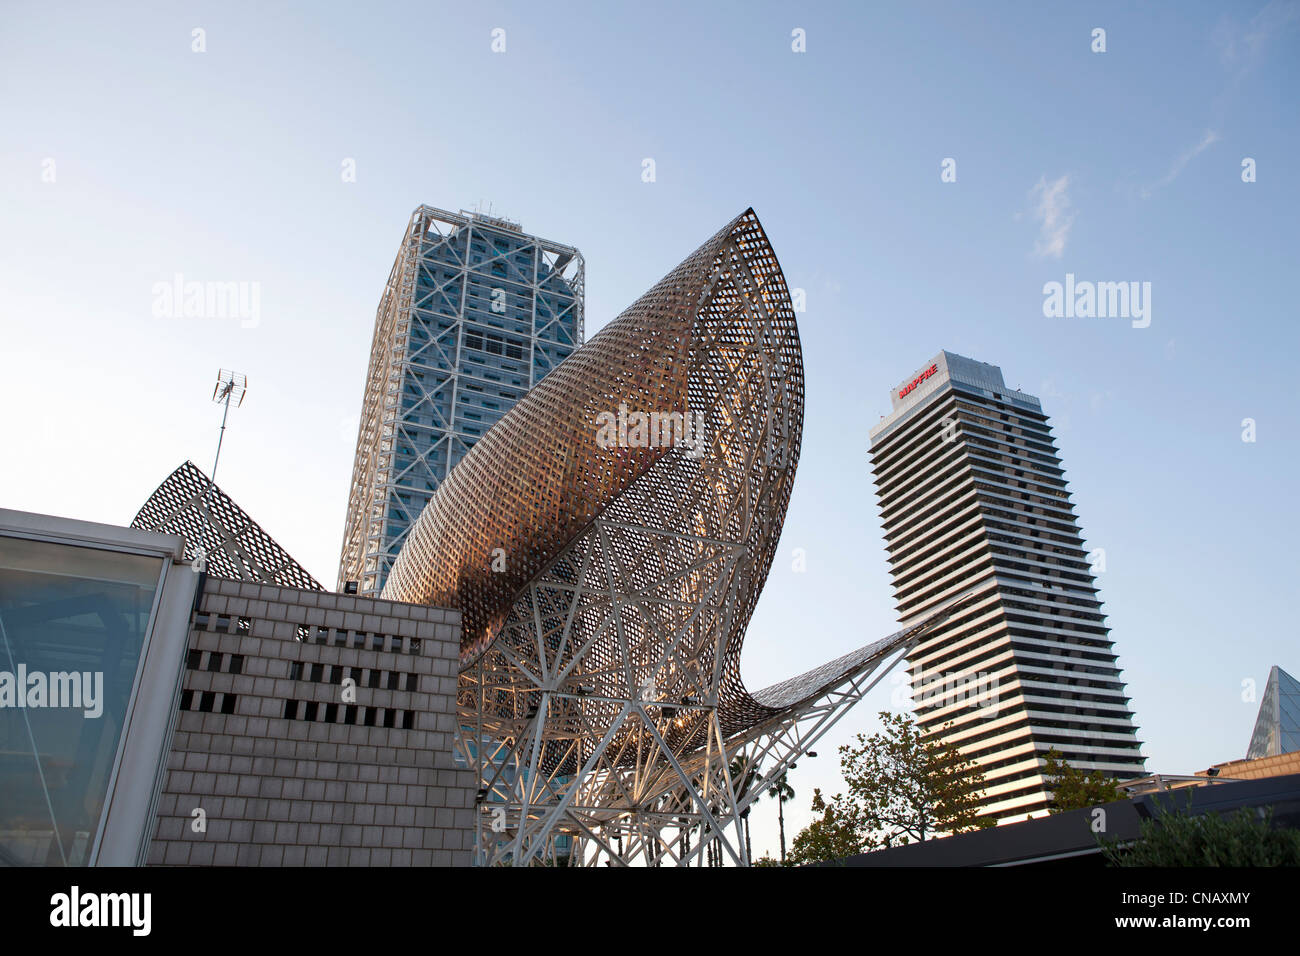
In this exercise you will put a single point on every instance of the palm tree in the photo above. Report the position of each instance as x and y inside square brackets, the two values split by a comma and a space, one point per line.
[781, 792]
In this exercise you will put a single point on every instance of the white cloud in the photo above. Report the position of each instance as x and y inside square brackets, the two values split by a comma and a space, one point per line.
[1209, 139]
[1051, 209]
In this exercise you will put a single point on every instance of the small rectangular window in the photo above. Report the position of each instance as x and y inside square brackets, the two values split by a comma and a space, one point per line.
[369, 719]
[392, 679]
[389, 715]
[350, 714]
[187, 700]
[214, 661]
[228, 703]
[316, 670]
[374, 678]
[236, 664]
[291, 710]
[295, 670]
[310, 711]
[193, 659]
[206, 700]
[408, 720]
[245, 625]
[331, 713]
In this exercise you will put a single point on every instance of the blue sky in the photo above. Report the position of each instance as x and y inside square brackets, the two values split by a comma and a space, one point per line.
[226, 165]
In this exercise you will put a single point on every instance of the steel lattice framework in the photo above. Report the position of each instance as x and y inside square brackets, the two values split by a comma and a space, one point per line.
[475, 312]
[233, 544]
[605, 591]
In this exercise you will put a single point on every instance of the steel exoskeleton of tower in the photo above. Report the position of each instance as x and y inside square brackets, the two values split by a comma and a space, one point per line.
[474, 314]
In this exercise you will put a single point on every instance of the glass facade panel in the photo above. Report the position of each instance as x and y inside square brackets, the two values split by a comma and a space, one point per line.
[73, 623]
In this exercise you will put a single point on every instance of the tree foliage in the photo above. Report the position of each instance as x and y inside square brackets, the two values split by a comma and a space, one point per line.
[1175, 838]
[782, 793]
[1073, 789]
[902, 787]
[837, 833]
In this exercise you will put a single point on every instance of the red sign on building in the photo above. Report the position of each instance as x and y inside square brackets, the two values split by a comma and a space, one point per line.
[918, 380]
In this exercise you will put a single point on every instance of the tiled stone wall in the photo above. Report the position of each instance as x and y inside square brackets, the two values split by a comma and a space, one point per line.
[287, 771]
[1279, 765]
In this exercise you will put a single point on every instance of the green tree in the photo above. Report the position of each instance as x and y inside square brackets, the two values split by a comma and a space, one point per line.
[835, 835]
[903, 787]
[1175, 838]
[1073, 789]
[781, 791]
[909, 787]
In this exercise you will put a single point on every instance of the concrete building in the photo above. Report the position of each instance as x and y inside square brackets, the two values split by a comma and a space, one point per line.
[974, 501]
[1255, 768]
[315, 729]
[474, 314]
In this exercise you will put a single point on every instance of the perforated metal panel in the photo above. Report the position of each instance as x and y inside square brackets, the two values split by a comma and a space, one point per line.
[235, 545]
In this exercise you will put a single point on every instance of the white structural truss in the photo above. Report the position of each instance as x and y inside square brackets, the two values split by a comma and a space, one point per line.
[583, 764]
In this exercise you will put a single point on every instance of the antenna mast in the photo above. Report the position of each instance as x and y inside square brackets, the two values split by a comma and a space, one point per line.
[230, 387]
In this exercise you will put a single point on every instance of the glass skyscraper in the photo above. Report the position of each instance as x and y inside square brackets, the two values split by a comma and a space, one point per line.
[974, 501]
[475, 313]
[1277, 728]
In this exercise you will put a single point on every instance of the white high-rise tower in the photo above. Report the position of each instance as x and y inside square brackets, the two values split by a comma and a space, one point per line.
[974, 498]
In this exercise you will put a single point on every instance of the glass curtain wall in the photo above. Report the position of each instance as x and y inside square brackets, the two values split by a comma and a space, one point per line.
[73, 626]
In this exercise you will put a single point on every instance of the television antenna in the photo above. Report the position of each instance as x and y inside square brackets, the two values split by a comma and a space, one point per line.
[231, 387]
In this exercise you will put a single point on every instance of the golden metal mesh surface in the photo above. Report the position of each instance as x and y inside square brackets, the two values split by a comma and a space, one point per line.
[716, 336]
